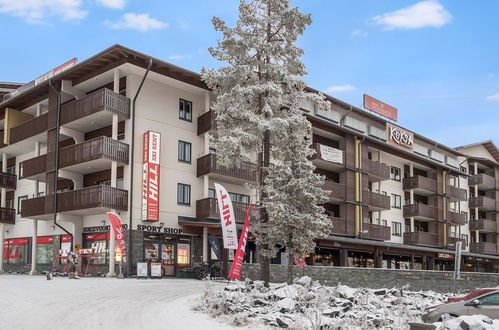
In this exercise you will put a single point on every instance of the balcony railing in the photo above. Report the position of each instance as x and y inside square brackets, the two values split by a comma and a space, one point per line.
[7, 216]
[100, 196]
[485, 225]
[483, 203]
[103, 99]
[483, 247]
[456, 194]
[206, 122]
[380, 171]
[29, 128]
[208, 164]
[421, 238]
[375, 200]
[458, 219]
[483, 181]
[342, 227]
[207, 208]
[33, 166]
[376, 232]
[453, 240]
[8, 181]
[100, 147]
[337, 190]
[420, 211]
[419, 182]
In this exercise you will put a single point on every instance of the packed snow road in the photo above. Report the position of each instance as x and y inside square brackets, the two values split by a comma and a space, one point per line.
[32, 302]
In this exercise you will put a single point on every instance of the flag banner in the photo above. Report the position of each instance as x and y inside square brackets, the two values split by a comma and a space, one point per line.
[215, 246]
[237, 264]
[116, 224]
[227, 217]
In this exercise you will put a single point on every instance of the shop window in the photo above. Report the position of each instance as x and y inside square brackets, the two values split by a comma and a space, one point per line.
[44, 250]
[396, 201]
[19, 202]
[183, 253]
[185, 110]
[183, 194]
[396, 228]
[16, 251]
[184, 152]
[395, 173]
[98, 244]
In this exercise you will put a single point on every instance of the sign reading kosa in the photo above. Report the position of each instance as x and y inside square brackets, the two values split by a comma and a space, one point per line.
[400, 137]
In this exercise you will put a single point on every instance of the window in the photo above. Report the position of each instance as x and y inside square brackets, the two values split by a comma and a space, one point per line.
[395, 173]
[465, 237]
[384, 222]
[183, 194]
[463, 169]
[121, 136]
[407, 228]
[491, 299]
[119, 183]
[396, 201]
[185, 110]
[11, 169]
[19, 202]
[465, 216]
[184, 152]
[9, 203]
[396, 228]
[233, 196]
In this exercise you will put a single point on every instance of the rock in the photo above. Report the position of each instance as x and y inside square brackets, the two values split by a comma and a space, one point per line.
[260, 302]
[283, 322]
[304, 281]
[421, 326]
[345, 292]
[231, 287]
[258, 284]
[332, 312]
[286, 305]
[380, 292]
[289, 291]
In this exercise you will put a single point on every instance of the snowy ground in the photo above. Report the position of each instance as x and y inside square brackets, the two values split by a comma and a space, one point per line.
[32, 302]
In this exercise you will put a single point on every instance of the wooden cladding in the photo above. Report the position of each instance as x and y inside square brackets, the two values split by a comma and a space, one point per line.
[33, 166]
[206, 122]
[7, 216]
[8, 181]
[421, 238]
[376, 232]
[208, 164]
[483, 247]
[103, 99]
[375, 200]
[207, 208]
[484, 225]
[29, 128]
[483, 203]
[378, 170]
[421, 211]
[100, 196]
[336, 190]
[342, 227]
[420, 183]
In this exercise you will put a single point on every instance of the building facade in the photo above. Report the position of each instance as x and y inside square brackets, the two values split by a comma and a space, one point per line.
[398, 199]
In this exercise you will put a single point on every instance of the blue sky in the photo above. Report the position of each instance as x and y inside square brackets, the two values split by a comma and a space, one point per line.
[436, 61]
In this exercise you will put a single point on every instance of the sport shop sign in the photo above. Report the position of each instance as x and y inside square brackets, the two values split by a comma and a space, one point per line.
[150, 176]
[400, 137]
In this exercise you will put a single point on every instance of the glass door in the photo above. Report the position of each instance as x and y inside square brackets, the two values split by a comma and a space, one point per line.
[168, 257]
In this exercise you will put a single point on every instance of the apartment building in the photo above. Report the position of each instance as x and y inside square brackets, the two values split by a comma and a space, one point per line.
[398, 199]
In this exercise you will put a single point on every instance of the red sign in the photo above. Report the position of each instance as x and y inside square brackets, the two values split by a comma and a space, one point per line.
[116, 224]
[370, 103]
[63, 67]
[237, 265]
[97, 236]
[65, 238]
[16, 241]
[150, 176]
[45, 240]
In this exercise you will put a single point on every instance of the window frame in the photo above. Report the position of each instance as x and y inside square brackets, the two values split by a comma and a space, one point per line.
[182, 111]
[396, 228]
[394, 205]
[184, 186]
[393, 176]
[184, 143]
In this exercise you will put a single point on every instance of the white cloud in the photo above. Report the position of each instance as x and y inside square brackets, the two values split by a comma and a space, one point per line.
[428, 13]
[494, 97]
[140, 22]
[340, 88]
[359, 33]
[115, 4]
[36, 11]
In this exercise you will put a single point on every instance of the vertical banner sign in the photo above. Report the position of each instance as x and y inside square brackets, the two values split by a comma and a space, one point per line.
[227, 217]
[150, 176]
[237, 264]
[116, 224]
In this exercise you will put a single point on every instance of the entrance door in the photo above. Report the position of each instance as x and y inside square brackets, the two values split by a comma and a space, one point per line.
[168, 258]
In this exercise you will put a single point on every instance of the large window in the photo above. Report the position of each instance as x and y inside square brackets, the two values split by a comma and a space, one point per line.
[395, 173]
[183, 194]
[183, 259]
[98, 244]
[44, 249]
[184, 152]
[185, 110]
[396, 201]
[16, 251]
[396, 228]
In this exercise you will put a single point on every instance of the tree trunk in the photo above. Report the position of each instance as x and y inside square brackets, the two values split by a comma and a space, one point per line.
[290, 268]
[265, 261]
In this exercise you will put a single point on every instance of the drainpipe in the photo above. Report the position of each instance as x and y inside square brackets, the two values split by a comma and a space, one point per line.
[358, 186]
[129, 254]
[56, 171]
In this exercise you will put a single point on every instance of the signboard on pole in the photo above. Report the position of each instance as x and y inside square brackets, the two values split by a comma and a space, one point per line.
[237, 264]
[227, 217]
[150, 176]
[155, 269]
[141, 269]
[381, 108]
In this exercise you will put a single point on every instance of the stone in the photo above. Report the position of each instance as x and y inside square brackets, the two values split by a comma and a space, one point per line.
[345, 292]
[231, 287]
[260, 302]
[380, 292]
[304, 281]
[332, 312]
[283, 322]
[286, 305]
[290, 291]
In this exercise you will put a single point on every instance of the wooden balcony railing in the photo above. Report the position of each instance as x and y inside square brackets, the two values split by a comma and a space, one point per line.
[421, 183]
[483, 247]
[8, 180]
[379, 170]
[482, 180]
[483, 203]
[207, 208]
[101, 147]
[29, 128]
[421, 238]
[341, 227]
[456, 194]
[208, 164]
[103, 99]
[485, 225]
[206, 122]
[7, 216]
[453, 240]
[421, 211]
[33, 166]
[376, 200]
[337, 190]
[458, 219]
[80, 199]
[376, 232]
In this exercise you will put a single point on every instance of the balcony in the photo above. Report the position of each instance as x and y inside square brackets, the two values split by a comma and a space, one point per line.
[483, 181]
[421, 212]
[483, 247]
[7, 216]
[456, 194]
[8, 181]
[421, 238]
[337, 190]
[342, 227]
[86, 157]
[421, 185]
[375, 201]
[86, 201]
[452, 242]
[97, 107]
[376, 232]
[377, 171]
[30, 129]
[457, 219]
[483, 203]
[483, 225]
[207, 208]
[207, 164]
[328, 158]
[206, 122]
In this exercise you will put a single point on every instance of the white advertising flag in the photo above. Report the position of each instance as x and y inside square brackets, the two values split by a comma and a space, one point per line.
[227, 218]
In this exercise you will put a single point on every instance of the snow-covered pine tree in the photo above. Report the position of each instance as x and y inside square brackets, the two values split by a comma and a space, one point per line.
[258, 97]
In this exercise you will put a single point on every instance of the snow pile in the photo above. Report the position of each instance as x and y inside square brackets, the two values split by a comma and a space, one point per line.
[475, 322]
[307, 304]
